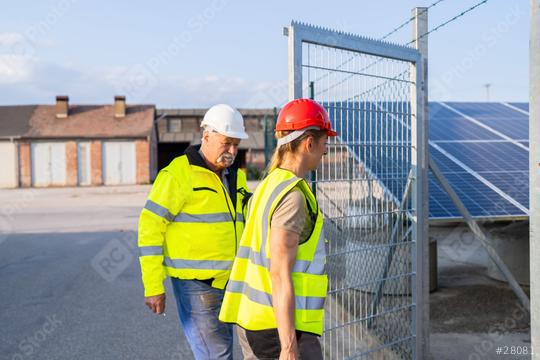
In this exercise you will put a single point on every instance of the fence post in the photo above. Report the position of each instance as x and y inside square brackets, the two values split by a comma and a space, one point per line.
[534, 173]
[420, 28]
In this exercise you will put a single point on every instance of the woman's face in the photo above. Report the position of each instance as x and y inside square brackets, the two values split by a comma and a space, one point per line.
[318, 149]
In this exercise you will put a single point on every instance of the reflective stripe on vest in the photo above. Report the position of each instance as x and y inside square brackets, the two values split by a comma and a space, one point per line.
[249, 290]
[315, 267]
[263, 298]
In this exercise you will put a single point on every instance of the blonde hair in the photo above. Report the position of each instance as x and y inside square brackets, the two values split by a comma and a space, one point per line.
[290, 148]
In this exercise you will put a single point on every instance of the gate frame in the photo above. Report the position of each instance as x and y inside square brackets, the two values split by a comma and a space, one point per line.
[299, 33]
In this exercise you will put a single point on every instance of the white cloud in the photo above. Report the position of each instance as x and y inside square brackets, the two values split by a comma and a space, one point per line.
[28, 80]
[15, 68]
[208, 90]
[10, 38]
[141, 85]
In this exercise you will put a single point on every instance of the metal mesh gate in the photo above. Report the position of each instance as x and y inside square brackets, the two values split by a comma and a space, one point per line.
[367, 187]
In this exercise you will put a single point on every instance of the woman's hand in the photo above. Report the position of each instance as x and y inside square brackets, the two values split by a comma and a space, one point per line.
[289, 354]
[283, 250]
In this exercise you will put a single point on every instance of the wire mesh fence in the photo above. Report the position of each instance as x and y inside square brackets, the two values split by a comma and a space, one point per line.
[364, 189]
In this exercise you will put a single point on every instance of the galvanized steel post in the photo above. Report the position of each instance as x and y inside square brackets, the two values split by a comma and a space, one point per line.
[295, 63]
[534, 173]
[419, 31]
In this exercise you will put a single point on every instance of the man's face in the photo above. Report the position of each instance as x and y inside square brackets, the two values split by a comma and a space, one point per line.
[220, 150]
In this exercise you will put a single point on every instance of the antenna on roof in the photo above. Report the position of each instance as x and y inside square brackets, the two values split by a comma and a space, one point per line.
[487, 86]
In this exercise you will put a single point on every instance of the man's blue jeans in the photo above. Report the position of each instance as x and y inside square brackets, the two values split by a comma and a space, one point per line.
[198, 308]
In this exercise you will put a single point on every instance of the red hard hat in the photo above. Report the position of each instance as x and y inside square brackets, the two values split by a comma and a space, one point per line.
[299, 114]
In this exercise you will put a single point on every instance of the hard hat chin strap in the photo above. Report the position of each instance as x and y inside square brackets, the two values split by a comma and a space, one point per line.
[294, 135]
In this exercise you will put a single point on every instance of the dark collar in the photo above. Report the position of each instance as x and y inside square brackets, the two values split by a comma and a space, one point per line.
[194, 158]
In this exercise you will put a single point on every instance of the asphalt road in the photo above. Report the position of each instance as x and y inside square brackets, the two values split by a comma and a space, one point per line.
[70, 279]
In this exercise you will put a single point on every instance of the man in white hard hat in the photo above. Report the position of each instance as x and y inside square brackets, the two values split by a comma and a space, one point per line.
[190, 228]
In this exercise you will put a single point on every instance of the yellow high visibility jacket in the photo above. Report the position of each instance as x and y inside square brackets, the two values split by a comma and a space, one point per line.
[248, 295]
[190, 226]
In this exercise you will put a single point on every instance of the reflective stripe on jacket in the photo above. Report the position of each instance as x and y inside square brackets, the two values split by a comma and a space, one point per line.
[190, 226]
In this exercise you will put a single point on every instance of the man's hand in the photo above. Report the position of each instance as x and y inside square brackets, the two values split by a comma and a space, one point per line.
[156, 303]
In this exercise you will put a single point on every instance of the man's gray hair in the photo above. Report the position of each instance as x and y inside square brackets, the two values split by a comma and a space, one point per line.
[208, 128]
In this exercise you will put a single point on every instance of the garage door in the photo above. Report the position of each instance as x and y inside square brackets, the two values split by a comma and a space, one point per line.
[8, 175]
[119, 162]
[48, 164]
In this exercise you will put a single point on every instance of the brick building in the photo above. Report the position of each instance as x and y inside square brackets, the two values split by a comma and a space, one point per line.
[78, 145]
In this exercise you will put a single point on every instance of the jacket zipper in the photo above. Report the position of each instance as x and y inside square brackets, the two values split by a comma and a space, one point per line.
[233, 217]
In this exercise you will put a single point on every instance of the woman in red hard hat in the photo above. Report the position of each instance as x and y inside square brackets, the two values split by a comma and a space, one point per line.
[278, 282]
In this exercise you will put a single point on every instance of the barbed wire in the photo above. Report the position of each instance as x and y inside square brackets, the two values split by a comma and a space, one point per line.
[399, 27]
[448, 21]
[407, 44]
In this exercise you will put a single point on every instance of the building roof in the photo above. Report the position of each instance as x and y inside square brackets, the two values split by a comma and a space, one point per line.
[91, 121]
[15, 120]
[84, 121]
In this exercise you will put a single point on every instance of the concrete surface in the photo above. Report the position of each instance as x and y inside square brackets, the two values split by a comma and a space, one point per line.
[471, 313]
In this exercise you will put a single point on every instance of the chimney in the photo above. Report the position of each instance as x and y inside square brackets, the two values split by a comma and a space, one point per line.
[119, 106]
[62, 106]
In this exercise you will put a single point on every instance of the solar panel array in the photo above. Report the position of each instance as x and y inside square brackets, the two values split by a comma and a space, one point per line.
[481, 148]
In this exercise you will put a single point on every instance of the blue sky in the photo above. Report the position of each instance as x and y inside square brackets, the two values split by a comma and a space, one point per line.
[196, 53]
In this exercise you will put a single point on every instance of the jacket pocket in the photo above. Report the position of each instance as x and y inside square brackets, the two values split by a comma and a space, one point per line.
[204, 188]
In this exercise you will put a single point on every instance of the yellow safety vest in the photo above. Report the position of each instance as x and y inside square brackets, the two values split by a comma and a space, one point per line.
[190, 227]
[248, 295]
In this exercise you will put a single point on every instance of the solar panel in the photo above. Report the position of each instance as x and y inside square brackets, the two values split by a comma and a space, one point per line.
[481, 148]
[481, 201]
[489, 156]
[447, 125]
[522, 106]
[498, 117]
[513, 183]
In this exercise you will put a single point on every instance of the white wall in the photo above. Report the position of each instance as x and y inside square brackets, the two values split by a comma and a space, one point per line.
[10, 165]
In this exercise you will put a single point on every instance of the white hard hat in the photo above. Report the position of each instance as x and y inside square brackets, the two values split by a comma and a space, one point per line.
[226, 120]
